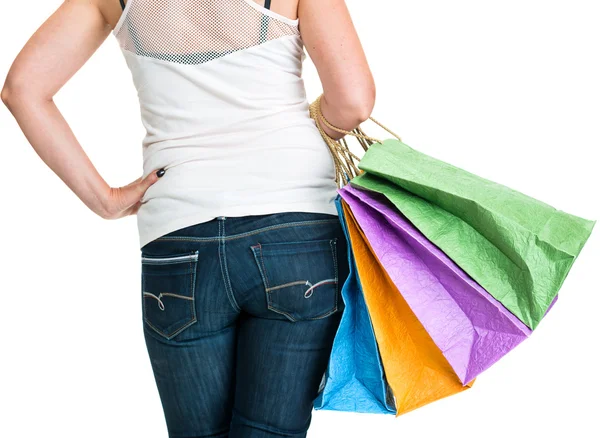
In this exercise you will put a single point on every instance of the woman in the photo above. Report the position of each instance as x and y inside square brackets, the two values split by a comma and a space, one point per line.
[242, 253]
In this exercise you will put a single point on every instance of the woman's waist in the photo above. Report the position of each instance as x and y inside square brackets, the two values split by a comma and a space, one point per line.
[299, 149]
[243, 175]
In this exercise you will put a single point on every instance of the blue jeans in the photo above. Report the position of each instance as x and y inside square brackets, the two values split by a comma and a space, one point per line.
[239, 317]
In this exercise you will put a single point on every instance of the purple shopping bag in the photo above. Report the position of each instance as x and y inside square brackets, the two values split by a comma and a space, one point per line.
[472, 329]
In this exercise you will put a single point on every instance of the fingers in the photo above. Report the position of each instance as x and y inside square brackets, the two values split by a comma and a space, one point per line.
[126, 200]
[150, 179]
[145, 183]
[134, 192]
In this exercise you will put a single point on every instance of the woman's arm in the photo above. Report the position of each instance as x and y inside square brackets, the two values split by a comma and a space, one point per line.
[53, 54]
[334, 47]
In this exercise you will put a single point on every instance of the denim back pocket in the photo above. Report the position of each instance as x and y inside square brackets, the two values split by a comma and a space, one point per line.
[300, 278]
[168, 292]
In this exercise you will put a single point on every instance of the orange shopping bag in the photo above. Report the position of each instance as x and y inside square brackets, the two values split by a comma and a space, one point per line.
[414, 366]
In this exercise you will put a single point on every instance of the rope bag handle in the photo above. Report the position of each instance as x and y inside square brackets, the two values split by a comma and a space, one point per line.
[345, 161]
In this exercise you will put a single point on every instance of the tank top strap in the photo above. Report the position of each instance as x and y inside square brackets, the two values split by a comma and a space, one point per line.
[122, 4]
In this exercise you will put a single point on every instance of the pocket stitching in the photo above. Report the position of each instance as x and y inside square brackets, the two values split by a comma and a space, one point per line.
[192, 298]
[263, 271]
[263, 274]
[268, 289]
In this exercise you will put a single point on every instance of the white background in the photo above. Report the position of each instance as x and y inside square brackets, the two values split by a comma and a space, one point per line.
[508, 90]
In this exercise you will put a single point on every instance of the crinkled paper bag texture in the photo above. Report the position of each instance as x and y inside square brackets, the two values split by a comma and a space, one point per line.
[471, 328]
[354, 379]
[517, 248]
[414, 366]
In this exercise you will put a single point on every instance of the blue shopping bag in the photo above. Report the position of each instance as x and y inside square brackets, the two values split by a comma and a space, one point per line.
[355, 379]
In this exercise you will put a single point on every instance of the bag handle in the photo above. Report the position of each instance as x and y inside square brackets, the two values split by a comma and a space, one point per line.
[345, 161]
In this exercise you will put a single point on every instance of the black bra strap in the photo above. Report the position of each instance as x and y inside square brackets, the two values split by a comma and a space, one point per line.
[267, 4]
[123, 4]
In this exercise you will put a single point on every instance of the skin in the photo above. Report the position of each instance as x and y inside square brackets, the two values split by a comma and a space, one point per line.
[71, 35]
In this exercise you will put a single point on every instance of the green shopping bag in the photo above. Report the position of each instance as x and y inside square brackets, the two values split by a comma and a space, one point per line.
[516, 247]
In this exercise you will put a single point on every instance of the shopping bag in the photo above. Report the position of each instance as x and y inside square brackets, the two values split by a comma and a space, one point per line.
[415, 367]
[470, 327]
[354, 380]
[513, 252]
[517, 248]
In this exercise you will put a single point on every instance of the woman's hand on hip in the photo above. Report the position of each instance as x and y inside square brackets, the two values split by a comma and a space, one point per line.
[126, 200]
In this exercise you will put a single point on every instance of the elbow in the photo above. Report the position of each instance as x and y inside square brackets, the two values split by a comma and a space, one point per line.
[352, 107]
[6, 96]
[368, 103]
[8, 91]
[17, 91]
[11, 93]
[362, 103]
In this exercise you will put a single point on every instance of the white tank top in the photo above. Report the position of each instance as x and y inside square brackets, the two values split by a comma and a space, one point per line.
[225, 111]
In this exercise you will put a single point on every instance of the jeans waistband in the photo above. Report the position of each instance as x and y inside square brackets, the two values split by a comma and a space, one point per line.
[237, 226]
